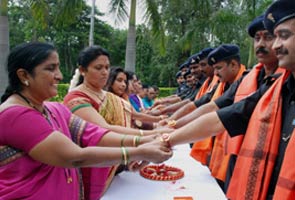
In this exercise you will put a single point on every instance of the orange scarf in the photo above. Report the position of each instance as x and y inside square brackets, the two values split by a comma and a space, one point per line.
[207, 86]
[258, 152]
[219, 161]
[201, 150]
[247, 87]
[285, 188]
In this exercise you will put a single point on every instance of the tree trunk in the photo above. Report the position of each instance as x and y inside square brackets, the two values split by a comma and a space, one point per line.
[130, 55]
[91, 32]
[4, 45]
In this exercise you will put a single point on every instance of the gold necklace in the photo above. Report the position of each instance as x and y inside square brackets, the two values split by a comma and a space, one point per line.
[99, 95]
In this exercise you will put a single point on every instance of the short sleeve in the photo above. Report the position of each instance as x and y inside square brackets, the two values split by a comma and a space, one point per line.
[203, 100]
[84, 133]
[23, 128]
[235, 118]
[92, 134]
[76, 100]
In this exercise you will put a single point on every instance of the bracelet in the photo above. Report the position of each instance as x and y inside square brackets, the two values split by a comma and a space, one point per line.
[125, 156]
[141, 132]
[122, 140]
[136, 140]
[172, 123]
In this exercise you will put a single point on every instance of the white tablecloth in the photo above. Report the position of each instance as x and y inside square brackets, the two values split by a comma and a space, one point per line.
[197, 182]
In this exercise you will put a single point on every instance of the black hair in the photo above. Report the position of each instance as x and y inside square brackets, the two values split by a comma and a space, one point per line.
[130, 75]
[235, 57]
[156, 88]
[89, 54]
[26, 56]
[112, 77]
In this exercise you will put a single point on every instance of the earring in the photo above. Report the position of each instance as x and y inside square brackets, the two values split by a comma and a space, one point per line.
[26, 82]
[83, 74]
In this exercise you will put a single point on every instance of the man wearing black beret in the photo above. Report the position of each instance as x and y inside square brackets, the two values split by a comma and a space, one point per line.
[195, 69]
[263, 41]
[265, 164]
[207, 70]
[184, 67]
[227, 75]
[272, 175]
[181, 83]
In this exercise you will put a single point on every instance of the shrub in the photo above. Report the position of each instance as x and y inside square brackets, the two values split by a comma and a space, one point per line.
[164, 92]
[63, 90]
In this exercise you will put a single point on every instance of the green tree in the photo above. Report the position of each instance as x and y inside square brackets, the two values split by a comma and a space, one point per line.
[4, 43]
[66, 13]
[69, 38]
[152, 15]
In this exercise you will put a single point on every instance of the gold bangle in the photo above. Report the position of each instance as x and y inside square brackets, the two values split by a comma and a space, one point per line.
[136, 140]
[124, 156]
[141, 132]
[172, 123]
[122, 140]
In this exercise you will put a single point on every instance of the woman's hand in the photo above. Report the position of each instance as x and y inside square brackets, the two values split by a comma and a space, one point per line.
[155, 151]
[137, 165]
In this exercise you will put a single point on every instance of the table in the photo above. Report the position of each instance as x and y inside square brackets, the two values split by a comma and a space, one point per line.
[197, 182]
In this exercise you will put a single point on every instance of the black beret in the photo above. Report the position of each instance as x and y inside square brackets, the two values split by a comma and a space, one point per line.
[187, 73]
[223, 52]
[204, 53]
[178, 74]
[194, 59]
[183, 65]
[256, 25]
[279, 12]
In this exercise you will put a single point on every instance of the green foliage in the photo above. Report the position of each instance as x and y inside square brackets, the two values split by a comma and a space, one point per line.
[164, 92]
[69, 37]
[3, 7]
[62, 91]
[189, 26]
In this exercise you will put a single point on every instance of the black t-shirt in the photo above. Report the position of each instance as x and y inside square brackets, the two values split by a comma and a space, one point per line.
[235, 118]
[288, 125]
[228, 97]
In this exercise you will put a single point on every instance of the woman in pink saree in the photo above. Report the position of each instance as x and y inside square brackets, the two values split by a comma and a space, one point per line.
[42, 144]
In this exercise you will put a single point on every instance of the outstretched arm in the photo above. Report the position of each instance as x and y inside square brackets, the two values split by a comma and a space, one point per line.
[174, 107]
[207, 108]
[62, 152]
[91, 115]
[203, 127]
